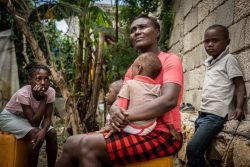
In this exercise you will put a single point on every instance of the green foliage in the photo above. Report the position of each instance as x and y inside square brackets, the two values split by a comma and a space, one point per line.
[166, 18]
[134, 8]
[119, 57]
[5, 19]
[63, 50]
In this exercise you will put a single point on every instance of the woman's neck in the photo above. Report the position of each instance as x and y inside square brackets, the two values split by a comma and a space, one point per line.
[155, 50]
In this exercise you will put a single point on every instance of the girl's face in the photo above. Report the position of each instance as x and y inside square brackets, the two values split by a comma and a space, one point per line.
[39, 81]
[143, 34]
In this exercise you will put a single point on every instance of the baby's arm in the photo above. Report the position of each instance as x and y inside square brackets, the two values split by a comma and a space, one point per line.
[123, 102]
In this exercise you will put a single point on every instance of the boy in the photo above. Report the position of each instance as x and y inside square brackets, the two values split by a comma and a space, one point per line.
[223, 80]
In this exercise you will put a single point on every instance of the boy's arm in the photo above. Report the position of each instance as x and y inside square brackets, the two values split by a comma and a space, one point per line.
[240, 93]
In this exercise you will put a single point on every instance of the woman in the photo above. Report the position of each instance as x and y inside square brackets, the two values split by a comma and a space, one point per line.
[122, 148]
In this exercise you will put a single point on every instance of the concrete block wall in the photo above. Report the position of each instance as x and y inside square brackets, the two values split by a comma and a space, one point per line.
[192, 17]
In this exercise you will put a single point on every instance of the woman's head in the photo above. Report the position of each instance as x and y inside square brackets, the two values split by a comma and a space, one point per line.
[145, 33]
[39, 76]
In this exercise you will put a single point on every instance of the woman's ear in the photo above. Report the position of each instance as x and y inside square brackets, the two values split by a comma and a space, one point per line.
[157, 35]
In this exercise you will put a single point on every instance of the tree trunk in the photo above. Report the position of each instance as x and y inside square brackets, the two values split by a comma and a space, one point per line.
[90, 118]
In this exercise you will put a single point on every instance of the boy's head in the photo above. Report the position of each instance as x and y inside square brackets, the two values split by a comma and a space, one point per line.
[114, 89]
[216, 40]
[147, 64]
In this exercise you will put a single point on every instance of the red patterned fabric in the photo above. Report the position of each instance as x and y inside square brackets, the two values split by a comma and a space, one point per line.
[124, 148]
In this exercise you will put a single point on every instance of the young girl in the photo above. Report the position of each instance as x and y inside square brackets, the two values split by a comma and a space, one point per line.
[28, 115]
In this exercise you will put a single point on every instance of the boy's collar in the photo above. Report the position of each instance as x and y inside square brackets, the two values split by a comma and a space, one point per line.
[210, 61]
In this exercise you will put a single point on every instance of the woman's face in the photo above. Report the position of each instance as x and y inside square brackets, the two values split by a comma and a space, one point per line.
[143, 34]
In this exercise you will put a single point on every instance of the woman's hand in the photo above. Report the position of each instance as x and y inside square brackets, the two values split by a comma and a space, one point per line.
[118, 118]
[39, 138]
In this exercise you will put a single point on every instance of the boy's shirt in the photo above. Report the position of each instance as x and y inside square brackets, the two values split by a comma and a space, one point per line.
[218, 87]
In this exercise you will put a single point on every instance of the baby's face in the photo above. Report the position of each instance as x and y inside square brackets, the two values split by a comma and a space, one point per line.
[110, 96]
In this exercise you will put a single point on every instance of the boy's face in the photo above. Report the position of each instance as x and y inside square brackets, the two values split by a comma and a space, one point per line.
[111, 96]
[215, 42]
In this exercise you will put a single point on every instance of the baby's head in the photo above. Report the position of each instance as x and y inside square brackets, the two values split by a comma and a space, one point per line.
[114, 89]
[147, 64]
[216, 40]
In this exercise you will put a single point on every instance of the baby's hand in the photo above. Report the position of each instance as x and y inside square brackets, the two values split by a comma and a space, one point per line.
[107, 128]
[110, 133]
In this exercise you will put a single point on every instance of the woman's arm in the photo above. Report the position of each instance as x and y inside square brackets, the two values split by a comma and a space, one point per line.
[149, 110]
[158, 106]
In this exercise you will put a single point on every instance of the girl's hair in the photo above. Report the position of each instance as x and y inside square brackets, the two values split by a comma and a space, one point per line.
[31, 68]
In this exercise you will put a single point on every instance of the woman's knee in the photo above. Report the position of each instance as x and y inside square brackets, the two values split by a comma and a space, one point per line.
[72, 143]
[91, 145]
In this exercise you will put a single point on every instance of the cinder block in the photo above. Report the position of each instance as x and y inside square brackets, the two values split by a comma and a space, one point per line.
[225, 13]
[187, 6]
[242, 9]
[237, 35]
[176, 34]
[194, 79]
[244, 60]
[247, 32]
[202, 72]
[189, 61]
[195, 2]
[176, 48]
[191, 40]
[191, 20]
[187, 81]
[247, 107]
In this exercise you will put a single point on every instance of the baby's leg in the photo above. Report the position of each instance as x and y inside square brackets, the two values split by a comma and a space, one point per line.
[51, 147]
